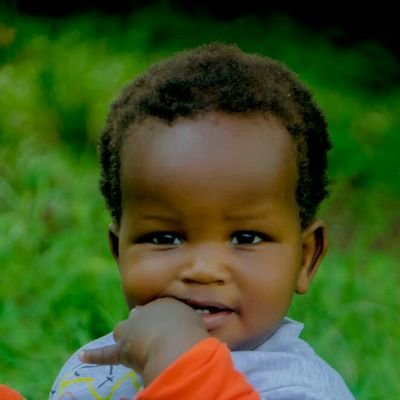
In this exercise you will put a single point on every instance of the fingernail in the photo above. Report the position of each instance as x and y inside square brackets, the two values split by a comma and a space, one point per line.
[82, 355]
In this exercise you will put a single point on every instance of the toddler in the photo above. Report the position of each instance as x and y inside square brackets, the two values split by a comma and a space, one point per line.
[213, 165]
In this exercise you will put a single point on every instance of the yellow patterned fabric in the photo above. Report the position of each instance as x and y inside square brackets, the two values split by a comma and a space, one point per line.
[79, 381]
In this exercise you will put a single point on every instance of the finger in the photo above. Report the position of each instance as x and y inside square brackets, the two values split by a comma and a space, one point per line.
[108, 355]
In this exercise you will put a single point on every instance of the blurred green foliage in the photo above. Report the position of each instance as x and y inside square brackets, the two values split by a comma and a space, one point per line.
[59, 287]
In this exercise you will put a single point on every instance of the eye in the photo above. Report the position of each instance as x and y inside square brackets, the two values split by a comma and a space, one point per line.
[161, 238]
[248, 237]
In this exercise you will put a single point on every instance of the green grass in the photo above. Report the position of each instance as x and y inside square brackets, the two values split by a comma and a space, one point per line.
[59, 286]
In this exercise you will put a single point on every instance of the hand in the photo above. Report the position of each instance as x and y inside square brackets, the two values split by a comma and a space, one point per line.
[152, 338]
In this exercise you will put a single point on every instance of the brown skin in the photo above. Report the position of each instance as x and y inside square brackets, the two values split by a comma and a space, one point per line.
[210, 219]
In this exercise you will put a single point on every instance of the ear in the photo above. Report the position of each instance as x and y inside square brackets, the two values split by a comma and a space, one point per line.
[113, 240]
[315, 245]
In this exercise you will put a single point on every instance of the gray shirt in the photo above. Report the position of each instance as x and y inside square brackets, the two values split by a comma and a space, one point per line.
[283, 368]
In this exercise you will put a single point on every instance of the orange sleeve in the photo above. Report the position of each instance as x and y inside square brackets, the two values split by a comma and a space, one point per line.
[6, 393]
[206, 371]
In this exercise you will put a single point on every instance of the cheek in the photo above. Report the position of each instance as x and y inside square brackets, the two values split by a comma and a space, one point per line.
[144, 276]
[269, 281]
[275, 265]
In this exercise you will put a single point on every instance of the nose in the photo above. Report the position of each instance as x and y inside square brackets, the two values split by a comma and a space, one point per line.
[207, 264]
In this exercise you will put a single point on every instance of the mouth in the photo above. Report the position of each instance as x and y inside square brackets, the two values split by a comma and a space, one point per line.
[214, 315]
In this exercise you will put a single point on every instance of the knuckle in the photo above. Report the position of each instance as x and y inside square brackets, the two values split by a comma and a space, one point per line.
[126, 354]
[118, 331]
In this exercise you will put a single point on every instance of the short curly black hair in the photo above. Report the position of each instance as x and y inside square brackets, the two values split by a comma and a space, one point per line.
[220, 77]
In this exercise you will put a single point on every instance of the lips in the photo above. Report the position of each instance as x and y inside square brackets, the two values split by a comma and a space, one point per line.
[213, 314]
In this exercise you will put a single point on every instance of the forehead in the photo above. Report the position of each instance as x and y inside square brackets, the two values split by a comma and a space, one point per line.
[217, 150]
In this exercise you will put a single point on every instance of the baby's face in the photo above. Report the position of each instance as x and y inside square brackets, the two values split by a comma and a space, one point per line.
[210, 218]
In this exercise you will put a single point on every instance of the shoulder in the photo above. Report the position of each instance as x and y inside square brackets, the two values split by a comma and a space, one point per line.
[88, 381]
[286, 366]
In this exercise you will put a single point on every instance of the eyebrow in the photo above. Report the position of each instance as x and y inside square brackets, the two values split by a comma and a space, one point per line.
[238, 219]
[158, 217]
[254, 215]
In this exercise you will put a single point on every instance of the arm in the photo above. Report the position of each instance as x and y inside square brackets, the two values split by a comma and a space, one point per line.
[204, 372]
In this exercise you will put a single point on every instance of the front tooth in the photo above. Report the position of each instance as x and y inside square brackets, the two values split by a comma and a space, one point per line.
[205, 311]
